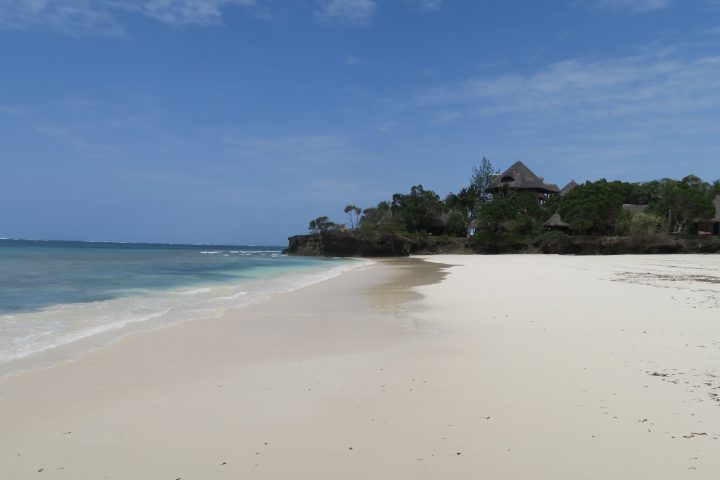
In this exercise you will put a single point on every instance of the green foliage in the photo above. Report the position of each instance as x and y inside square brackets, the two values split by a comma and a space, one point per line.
[480, 180]
[378, 221]
[548, 235]
[645, 226]
[509, 220]
[353, 212]
[457, 224]
[715, 188]
[594, 207]
[321, 225]
[622, 224]
[464, 201]
[419, 210]
[682, 202]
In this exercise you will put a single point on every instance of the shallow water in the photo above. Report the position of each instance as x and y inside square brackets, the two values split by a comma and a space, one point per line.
[57, 294]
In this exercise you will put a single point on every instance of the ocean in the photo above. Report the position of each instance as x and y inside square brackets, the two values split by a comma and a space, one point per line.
[60, 298]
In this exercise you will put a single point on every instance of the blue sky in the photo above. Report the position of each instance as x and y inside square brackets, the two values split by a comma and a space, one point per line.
[237, 121]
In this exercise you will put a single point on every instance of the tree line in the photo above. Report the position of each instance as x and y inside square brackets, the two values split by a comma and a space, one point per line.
[508, 217]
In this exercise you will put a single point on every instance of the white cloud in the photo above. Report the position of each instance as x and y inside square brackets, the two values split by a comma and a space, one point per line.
[99, 17]
[427, 5]
[71, 17]
[615, 115]
[183, 12]
[358, 12]
[654, 82]
[638, 6]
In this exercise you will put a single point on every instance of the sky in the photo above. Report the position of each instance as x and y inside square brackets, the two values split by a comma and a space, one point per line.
[238, 121]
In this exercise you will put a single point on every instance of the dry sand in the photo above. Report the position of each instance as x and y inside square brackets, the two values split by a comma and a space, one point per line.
[509, 367]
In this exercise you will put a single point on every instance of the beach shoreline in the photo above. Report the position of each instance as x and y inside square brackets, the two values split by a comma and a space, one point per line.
[435, 367]
[41, 336]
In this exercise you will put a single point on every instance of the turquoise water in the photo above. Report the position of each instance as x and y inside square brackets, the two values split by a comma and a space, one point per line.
[54, 294]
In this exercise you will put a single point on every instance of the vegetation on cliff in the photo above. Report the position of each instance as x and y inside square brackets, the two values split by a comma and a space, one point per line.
[649, 216]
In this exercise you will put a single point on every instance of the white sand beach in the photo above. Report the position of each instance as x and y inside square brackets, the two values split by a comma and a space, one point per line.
[452, 367]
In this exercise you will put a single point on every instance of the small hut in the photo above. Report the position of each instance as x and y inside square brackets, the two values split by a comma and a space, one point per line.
[556, 223]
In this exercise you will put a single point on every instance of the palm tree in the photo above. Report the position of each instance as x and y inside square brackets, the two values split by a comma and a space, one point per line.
[351, 210]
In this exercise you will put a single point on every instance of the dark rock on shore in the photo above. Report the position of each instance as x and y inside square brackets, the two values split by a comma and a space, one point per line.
[350, 244]
[347, 244]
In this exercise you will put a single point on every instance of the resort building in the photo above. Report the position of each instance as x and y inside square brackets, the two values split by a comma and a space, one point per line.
[520, 178]
[567, 188]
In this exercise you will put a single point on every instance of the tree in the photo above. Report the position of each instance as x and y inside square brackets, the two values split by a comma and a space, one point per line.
[351, 210]
[482, 176]
[321, 225]
[594, 207]
[644, 227]
[457, 223]
[417, 210]
[715, 188]
[508, 220]
[682, 202]
[378, 221]
[464, 201]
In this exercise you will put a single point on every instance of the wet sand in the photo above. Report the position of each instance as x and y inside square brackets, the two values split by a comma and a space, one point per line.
[506, 367]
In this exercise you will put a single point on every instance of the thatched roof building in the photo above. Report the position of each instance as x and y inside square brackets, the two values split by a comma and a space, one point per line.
[520, 177]
[567, 188]
[556, 223]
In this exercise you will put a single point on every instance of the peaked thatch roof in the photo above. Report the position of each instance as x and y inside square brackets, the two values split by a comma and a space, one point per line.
[632, 208]
[555, 221]
[520, 177]
[566, 189]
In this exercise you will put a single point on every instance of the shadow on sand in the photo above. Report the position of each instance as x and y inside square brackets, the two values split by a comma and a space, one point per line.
[394, 295]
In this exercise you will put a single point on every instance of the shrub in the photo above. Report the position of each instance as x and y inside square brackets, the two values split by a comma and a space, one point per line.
[645, 227]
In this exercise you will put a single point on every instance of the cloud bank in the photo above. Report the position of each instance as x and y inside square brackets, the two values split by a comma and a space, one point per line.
[347, 11]
[636, 6]
[100, 17]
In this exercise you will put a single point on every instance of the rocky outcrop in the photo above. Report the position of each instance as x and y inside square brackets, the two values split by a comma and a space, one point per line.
[347, 244]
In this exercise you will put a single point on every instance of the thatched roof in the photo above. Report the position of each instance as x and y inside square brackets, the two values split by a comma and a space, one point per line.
[632, 208]
[566, 189]
[556, 222]
[520, 177]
